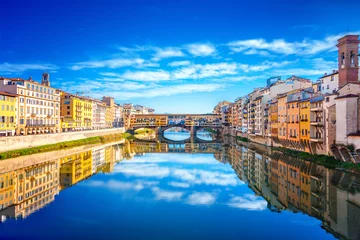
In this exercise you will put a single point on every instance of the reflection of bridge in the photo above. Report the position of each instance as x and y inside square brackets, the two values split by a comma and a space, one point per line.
[162, 122]
[156, 147]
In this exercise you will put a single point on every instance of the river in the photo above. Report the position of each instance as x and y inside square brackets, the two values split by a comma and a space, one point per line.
[146, 189]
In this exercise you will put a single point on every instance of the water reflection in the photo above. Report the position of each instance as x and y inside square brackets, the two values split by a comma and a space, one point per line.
[278, 183]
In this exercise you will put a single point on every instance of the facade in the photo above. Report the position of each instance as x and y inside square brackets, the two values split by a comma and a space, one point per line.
[119, 119]
[330, 83]
[110, 111]
[304, 105]
[8, 114]
[38, 105]
[99, 114]
[282, 117]
[76, 112]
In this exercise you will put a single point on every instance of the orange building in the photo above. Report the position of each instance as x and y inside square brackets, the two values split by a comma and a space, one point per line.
[282, 117]
[273, 109]
[294, 182]
[305, 124]
[283, 182]
[293, 121]
[305, 189]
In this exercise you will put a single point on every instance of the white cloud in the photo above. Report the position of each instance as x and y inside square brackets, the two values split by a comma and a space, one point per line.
[162, 53]
[281, 46]
[119, 185]
[201, 198]
[111, 63]
[179, 63]
[248, 202]
[143, 170]
[19, 68]
[179, 184]
[201, 49]
[165, 195]
[145, 76]
[195, 176]
[256, 52]
[198, 71]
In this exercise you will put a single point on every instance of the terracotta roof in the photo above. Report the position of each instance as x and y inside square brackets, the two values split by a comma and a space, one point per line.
[348, 96]
[327, 75]
[8, 94]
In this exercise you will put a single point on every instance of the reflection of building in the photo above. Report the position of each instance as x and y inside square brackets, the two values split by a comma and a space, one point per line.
[75, 168]
[296, 185]
[36, 186]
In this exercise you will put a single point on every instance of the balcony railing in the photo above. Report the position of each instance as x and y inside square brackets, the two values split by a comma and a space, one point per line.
[39, 125]
[304, 120]
[316, 109]
[316, 139]
[316, 123]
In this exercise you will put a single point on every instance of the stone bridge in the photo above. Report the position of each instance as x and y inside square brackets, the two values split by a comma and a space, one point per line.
[163, 122]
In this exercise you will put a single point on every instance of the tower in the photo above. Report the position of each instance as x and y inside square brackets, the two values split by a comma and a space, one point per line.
[348, 60]
[45, 79]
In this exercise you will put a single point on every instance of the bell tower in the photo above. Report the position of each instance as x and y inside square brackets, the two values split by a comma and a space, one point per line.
[348, 59]
[45, 79]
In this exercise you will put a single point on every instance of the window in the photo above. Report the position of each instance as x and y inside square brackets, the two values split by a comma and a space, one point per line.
[332, 78]
[327, 87]
[327, 99]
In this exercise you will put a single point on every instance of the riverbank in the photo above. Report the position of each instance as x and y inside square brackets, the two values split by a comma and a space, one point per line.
[324, 160]
[29, 141]
[63, 145]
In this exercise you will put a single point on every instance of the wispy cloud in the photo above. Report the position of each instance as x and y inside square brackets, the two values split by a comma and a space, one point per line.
[281, 46]
[145, 76]
[179, 63]
[20, 68]
[248, 202]
[201, 198]
[110, 63]
[201, 49]
[179, 184]
[166, 195]
[162, 53]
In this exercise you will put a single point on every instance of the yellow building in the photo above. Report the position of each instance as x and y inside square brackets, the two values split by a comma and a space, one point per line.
[7, 189]
[305, 123]
[75, 168]
[109, 117]
[76, 112]
[8, 112]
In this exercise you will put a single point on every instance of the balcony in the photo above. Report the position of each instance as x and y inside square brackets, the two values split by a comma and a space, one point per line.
[316, 109]
[316, 139]
[304, 120]
[49, 116]
[33, 114]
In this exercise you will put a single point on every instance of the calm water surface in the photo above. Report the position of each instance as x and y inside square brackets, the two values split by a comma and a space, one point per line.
[152, 190]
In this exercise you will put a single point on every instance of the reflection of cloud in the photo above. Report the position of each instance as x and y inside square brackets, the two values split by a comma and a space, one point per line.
[248, 202]
[142, 170]
[176, 158]
[206, 177]
[179, 184]
[119, 185]
[203, 198]
[161, 194]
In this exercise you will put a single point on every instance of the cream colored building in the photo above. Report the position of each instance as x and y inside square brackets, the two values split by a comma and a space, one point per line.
[38, 105]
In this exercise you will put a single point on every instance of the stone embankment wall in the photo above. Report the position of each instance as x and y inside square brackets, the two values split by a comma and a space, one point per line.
[19, 142]
[13, 164]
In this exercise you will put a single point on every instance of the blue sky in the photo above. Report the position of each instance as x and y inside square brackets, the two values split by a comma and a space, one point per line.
[178, 56]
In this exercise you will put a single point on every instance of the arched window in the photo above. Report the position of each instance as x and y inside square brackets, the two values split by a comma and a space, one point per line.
[352, 59]
[342, 58]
